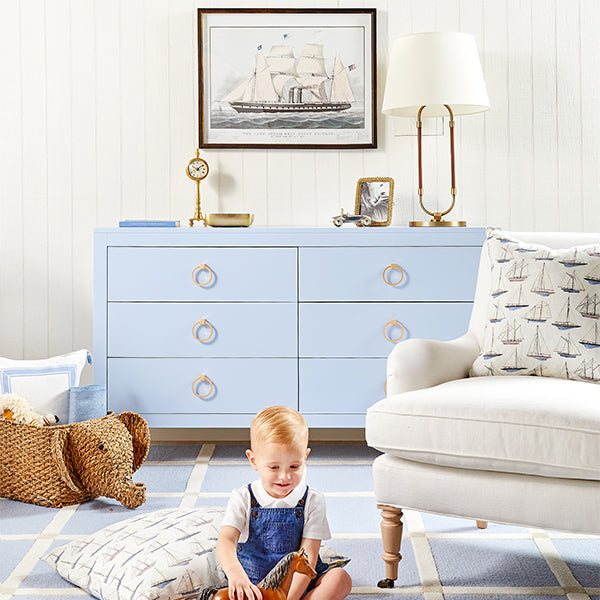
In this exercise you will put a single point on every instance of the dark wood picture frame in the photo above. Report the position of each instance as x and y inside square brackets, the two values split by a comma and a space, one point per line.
[305, 93]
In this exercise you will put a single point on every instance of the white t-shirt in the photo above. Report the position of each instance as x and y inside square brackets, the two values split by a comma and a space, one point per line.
[237, 513]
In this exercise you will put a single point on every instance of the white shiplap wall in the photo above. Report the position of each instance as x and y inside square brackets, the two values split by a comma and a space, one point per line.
[98, 115]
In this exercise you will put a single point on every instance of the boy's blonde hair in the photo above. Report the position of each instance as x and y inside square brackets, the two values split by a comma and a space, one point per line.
[278, 425]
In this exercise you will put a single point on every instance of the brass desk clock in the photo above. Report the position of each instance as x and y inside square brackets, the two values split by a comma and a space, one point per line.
[197, 169]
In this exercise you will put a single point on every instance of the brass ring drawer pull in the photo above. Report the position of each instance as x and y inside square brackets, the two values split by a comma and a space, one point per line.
[396, 267]
[202, 378]
[202, 322]
[202, 267]
[397, 323]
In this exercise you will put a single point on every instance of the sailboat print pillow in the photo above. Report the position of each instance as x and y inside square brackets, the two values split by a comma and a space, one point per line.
[544, 311]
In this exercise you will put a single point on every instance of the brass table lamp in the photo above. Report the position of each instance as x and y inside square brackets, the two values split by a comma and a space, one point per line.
[435, 75]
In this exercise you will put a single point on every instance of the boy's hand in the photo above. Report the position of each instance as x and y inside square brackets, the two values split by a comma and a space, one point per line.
[243, 588]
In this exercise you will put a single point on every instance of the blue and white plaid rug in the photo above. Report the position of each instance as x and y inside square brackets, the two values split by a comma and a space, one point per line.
[442, 557]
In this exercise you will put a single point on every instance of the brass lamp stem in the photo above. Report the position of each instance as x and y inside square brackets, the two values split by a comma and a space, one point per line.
[437, 220]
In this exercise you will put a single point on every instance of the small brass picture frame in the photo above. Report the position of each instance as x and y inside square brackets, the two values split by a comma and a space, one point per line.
[375, 198]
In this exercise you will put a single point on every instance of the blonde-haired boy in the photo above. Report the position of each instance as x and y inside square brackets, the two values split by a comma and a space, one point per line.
[277, 514]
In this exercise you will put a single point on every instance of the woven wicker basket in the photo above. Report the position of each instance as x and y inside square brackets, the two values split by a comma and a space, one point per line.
[67, 464]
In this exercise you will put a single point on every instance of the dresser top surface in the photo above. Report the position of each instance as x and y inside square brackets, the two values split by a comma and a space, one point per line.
[290, 236]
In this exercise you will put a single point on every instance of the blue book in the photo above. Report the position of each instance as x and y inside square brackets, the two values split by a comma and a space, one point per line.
[148, 223]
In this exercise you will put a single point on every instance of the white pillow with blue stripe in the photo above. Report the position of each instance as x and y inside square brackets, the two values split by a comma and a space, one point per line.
[44, 383]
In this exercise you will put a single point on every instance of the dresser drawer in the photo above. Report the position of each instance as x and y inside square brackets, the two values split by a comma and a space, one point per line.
[230, 329]
[177, 274]
[333, 386]
[424, 273]
[164, 385]
[359, 329]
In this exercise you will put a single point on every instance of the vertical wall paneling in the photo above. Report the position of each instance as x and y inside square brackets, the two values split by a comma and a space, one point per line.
[134, 151]
[568, 75]
[400, 150]
[520, 113]
[498, 148]
[255, 172]
[278, 187]
[11, 190]
[183, 107]
[470, 168]
[59, 176]
[84, 175]
[590, 115]
[34, 111]
[544, 164]
[99, 118]
[107, 74]
[155, 20]
[328, 180]
[303, 183]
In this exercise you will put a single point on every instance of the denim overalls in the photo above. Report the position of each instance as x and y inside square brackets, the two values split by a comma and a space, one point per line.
[272, 533]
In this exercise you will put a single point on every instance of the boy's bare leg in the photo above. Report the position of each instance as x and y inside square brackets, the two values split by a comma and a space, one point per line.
[333, 585]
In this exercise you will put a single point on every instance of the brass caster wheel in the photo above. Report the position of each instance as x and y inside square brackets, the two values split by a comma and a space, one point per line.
[386, 583]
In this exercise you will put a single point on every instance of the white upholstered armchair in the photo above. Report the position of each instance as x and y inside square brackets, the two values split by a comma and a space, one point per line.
[510, 448]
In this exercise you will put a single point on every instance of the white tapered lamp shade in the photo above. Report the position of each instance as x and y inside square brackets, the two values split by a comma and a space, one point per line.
[433, 75]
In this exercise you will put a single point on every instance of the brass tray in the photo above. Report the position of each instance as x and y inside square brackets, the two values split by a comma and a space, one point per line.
[229, 219]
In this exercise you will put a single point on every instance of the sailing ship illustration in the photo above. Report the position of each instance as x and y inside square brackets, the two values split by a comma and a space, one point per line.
[571, 283]
[544, 255]
[519, 271]
[283, 83]
[595, 251]
[538, 348]
[591, 338]
[189, 582]
[499, 288]
[514, 364]
[505, 240]
[525, 249]
[573, 261]
[505, 255]
[512, 334]
[566, 347]
[543, 284]
[493, 348]
[589, 307]
[593, 276]
[491, 370]
[497, 314]
[564, 372]
[589, 370]
[565, 317]
[517, 301]
[540, 371]
[539, 313]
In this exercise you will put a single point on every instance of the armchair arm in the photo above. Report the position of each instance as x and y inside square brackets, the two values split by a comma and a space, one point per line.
[417, 364]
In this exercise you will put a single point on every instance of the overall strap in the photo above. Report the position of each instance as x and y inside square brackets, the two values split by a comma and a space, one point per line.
[302, 500]
[253, 501]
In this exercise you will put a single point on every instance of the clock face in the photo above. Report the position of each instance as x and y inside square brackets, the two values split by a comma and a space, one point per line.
[197, 168]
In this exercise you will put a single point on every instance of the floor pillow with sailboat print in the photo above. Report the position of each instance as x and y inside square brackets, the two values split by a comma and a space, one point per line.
[543, 311]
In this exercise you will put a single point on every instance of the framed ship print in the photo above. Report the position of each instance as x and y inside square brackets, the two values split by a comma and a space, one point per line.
[287, 78]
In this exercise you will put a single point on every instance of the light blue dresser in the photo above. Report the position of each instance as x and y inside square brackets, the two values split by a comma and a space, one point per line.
[204, 327]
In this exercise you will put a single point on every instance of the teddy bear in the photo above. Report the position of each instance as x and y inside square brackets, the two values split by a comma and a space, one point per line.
[15, 408]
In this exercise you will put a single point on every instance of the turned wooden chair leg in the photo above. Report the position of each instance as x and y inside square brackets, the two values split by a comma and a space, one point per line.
[482, 524]
[391, 535]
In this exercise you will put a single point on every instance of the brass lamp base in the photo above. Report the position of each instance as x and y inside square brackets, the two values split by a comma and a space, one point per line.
[434, 223]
